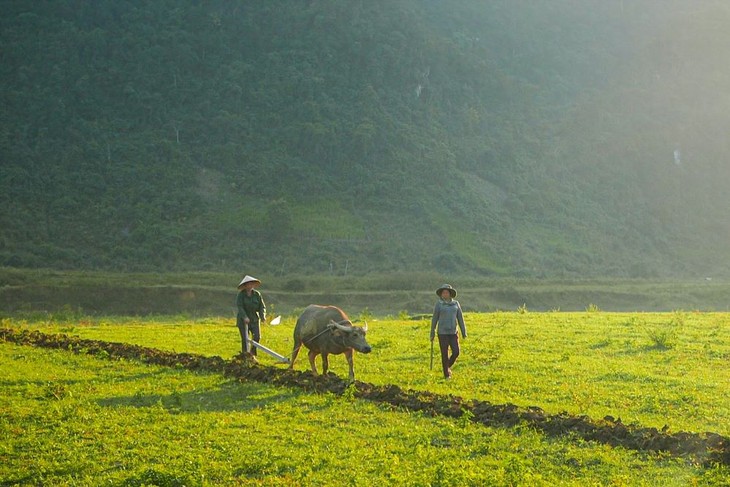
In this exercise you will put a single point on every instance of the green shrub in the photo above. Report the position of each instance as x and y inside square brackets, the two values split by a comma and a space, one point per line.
[662, 339]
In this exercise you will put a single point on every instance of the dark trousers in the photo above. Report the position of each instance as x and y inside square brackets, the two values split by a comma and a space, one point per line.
[254, 330]
[446, 342]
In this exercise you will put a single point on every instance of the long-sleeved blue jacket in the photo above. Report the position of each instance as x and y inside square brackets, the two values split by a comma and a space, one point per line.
[446, 315]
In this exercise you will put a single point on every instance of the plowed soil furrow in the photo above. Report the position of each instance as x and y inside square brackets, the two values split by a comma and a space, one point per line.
[706, 448]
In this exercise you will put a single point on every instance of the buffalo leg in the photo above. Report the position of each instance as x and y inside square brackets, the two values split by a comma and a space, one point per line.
[312, 356]
[294, 354]
[350, 363]
[325, 363]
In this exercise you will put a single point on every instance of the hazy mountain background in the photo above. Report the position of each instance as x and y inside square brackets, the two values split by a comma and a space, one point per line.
[505, 138]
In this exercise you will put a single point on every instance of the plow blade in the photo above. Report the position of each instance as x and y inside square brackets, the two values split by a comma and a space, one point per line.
[281, 358]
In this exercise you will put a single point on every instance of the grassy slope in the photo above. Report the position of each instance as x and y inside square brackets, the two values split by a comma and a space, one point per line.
[549, 128]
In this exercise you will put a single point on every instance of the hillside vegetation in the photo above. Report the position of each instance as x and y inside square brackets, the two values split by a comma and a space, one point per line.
[538, 139]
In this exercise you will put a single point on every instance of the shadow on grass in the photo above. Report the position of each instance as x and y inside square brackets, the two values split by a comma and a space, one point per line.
[40, 478]
[230, 397]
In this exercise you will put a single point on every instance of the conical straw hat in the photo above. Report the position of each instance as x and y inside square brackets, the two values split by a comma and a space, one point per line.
[248, 278]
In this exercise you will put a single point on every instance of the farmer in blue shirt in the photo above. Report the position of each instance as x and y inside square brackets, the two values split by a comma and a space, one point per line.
[446, 315]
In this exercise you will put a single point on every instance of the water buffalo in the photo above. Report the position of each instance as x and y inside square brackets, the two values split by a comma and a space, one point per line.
[325, 330]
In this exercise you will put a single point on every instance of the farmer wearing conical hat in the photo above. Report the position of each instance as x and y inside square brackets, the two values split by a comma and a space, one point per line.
[251, 311]
[446, 315]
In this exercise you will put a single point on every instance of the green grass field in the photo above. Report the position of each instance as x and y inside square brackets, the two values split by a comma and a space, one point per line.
[84, 420]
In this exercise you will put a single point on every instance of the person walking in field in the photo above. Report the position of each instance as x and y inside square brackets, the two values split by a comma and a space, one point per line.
[251, 312]
[446, 315]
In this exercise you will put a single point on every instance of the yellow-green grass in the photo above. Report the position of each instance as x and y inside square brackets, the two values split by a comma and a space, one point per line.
[655, 369]
[83, 420]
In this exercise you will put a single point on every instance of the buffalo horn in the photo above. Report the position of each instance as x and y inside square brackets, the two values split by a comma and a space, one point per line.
[342, 327]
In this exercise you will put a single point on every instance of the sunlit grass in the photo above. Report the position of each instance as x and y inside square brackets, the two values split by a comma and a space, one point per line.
[325, 218]
[72, 419]
[590, 363]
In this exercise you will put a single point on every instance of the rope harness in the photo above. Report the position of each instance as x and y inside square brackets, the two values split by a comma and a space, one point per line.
[329, 327]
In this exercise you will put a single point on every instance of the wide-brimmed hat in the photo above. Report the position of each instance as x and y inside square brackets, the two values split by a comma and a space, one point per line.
[452, 291]
[247, 279]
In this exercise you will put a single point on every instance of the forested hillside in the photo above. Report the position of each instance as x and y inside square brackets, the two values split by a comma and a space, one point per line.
[513, 138]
